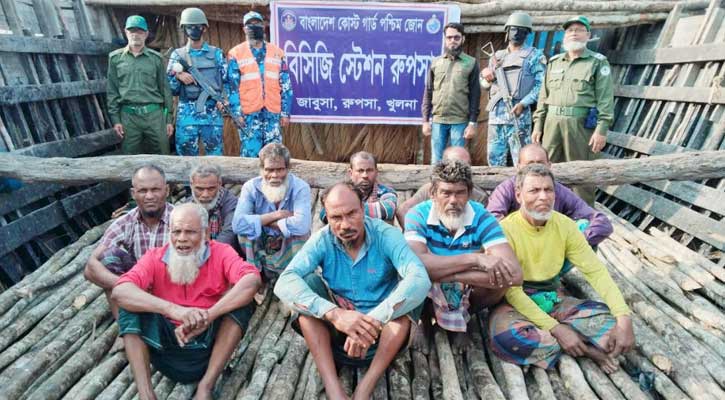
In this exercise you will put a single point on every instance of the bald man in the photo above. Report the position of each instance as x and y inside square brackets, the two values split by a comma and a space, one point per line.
[423, 193]
[594, 224]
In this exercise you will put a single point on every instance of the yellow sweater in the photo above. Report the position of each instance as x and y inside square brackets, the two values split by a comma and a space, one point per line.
[541, 252]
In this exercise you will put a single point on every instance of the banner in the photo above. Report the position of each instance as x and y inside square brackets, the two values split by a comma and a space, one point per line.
[359, 62]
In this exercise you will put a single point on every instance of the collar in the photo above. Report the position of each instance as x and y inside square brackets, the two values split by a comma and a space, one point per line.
[468, 215]
[585, 54]
[204, 257]
[519, 216]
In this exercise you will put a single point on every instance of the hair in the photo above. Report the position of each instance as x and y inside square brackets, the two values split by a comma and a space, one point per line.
[348, 184]
[455, 25]
[533, 146]
[451, 171]
[149, 167]
[201, 212]
[363, 155]
[204, 170]
[274, 150]
[532, 170]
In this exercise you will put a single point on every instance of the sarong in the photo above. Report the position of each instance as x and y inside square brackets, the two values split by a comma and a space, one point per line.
[271, 254]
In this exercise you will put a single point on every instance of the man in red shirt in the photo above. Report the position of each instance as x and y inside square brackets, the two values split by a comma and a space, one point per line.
[185, 306]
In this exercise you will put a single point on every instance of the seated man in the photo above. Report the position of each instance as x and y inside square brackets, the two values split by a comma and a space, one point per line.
[272, 217]
[361, 309]
[462, 246]
[185, 306]
[207, 191]
[379, 200]
[595, 224]
[130, 236]
[423, 192]
[538, 320]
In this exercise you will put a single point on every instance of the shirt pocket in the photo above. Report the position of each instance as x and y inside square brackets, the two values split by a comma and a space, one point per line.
[581, 80]
[146, 74]
[555, 79]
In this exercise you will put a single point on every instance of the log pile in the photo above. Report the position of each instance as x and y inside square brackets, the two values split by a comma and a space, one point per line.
[59, 341]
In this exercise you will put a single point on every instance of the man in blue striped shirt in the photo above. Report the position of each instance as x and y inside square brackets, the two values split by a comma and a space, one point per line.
[462, 246]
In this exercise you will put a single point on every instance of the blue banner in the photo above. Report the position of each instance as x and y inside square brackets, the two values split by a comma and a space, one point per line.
[359, 62]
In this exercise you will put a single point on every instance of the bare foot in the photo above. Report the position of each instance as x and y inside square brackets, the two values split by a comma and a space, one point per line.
[606, 363]
[203, 393]
[460, 342]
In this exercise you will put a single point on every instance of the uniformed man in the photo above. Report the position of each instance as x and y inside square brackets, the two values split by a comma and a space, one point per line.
[452, 95]
[523, 69]
[576, 103]
[262, 90]
[138, 95]
[197, 115]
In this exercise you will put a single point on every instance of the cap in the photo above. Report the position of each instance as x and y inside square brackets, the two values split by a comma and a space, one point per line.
[579, 19]
[252, 15]
[136, 21]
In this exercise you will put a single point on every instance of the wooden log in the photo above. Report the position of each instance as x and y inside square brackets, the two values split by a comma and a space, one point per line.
[400, 377]
[71, 269]
[625, 384]
[557, 385]
[545, 391]
[304, 375]
[598, 380]
[436, 383]
[573, 379]
[682, 253]
[111, 371]
[509, 376]
[20, 307]
[461, 369]
[380, 391]
[663, 385]
[111, 391]
[314, 386]
[65, 377]
[73, 147]
[421, 376]
[690, 166]
[17, 94]
[449, 376]
[504, 7]
[290, 369]
[182, 391]
[272, 350]
[483, 380]
[163, 388]
[347, 379]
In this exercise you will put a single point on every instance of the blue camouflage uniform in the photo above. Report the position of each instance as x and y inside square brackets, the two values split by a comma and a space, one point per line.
[192, 125]
[261, 127]
[501, 127]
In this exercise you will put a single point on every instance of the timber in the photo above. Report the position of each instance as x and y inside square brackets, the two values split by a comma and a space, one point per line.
[669, 55]
[24, 44]
[705, 95]
[694, 165]
[73, 147]
[50, 91]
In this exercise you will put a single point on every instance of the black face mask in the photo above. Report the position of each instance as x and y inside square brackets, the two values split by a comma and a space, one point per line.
[254, 32]
[194, 32]
[517, 35]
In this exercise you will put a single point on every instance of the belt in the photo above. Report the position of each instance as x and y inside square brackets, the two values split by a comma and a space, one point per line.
[576, 112]
[139, 109]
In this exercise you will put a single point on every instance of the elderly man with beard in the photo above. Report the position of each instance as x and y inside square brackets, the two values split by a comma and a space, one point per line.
[380, 201]
[362, 307]
[273, 215]
[185, 306]
[208, 192]
[452, 95]
[576, 103]
[130, 236]
[538, 319]
[462, 246]
[261, 87]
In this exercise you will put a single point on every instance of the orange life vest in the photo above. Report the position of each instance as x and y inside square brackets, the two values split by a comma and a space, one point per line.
[252, 94]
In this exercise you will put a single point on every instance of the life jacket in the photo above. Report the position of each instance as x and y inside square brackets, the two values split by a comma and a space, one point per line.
[253, 95]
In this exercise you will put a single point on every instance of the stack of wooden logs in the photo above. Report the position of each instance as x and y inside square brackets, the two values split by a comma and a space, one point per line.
[59, 340]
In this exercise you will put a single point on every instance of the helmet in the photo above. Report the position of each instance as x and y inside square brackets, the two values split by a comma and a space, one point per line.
[519, 19]
[193, 16]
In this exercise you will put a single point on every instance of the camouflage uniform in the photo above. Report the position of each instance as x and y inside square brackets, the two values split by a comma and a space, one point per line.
[501, 127]
[192, 124]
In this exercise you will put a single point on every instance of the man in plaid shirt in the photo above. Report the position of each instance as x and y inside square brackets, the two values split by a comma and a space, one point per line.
[130, 236]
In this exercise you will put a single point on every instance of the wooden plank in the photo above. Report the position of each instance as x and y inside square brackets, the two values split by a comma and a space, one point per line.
[25, 195]
[669, 55]
[14, 234]
[29, 44]
[705, 229]
[694, 193]
[24, 93]
[82, 201]
[642, 145]
[73, 147]
[672, 93]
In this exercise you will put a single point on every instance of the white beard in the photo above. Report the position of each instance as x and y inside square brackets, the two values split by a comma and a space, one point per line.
[539, 216]
[210, 205]
[451, 221]
[183, 269]
[573, 45]
[274, 194]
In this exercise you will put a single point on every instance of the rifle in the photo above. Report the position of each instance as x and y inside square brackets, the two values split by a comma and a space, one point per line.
[505, 90]
[209, 92]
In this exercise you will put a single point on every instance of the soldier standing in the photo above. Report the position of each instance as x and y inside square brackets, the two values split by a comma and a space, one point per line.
[576, 103]
[198, 116]
[523, 69]
[138, 95]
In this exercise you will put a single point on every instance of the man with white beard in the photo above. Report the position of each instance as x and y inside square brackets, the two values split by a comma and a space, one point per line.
[207, 191]
[185, 306]
[273, 215]
[538, 320]
[576, 103]
[462, 246]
